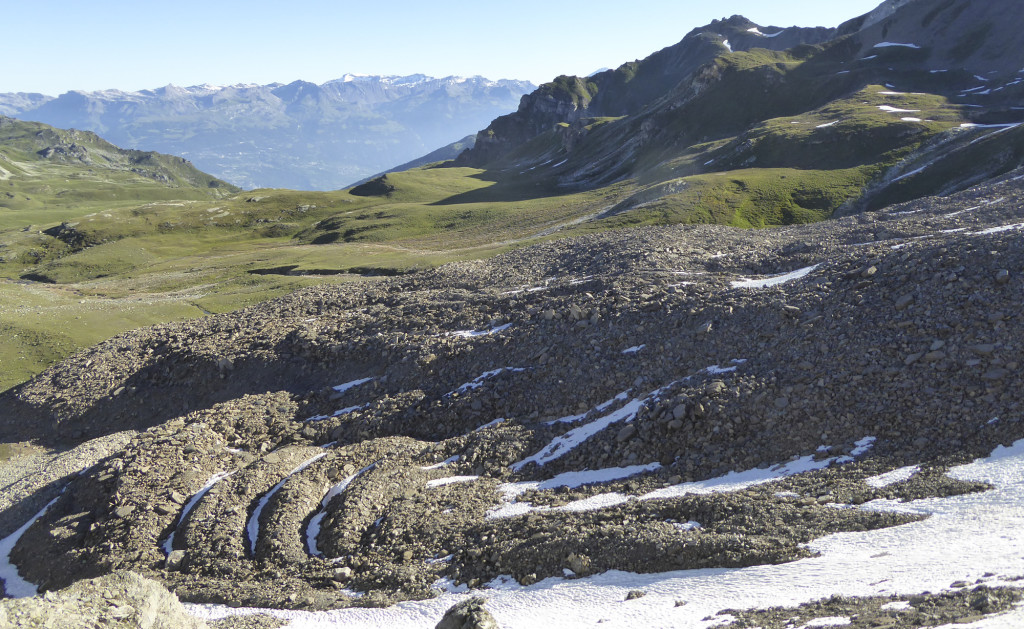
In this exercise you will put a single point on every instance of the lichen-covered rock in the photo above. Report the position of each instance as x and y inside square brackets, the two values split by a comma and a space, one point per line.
[119, 600]
[468, 614]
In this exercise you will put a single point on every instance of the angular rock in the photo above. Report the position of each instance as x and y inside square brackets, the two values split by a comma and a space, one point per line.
[121, 600]
[469, 614]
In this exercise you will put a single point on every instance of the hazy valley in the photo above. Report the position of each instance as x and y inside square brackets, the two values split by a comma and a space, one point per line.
[298, 135]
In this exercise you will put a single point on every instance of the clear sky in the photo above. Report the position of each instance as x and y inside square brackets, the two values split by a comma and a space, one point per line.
[52, 46]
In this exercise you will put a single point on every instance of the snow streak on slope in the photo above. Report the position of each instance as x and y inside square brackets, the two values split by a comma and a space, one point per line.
[14, 584]
[468, 334]
[562, 445]
[987, 528]
[253, 526]
[733, 481]
[168, 544]
[774, 280]
[313, 530]
[479, 380]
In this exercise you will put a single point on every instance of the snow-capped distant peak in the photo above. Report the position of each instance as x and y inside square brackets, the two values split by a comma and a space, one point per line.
[412, 79]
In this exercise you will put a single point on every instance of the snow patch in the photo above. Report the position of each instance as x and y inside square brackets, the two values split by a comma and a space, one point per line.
[910, 174]
[633, 350]
[338, 413]
[774, 280]
[891, 478]
[313, 530]
[491, 424]
[733, 481]
[687, 526]
[889, 44]
[576, 479]
[341, 388]
[479, 380]
[252, 527]
[737, 481]
[562, 445]
[998, 230]
[451, 480]
[443, 463]
[469, 334]
[14, 584]
[897, 110]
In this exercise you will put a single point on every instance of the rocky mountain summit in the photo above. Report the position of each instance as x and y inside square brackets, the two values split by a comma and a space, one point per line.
[545, 413]
[298, 135]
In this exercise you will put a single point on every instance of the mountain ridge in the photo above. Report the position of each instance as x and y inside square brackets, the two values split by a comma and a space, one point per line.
[860, 85]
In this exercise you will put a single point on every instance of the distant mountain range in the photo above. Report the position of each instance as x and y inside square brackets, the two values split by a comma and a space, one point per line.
[300, 135]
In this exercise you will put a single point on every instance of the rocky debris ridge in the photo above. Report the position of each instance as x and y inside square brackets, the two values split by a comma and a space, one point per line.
[121, 599]
[561, 410]
[966, 603]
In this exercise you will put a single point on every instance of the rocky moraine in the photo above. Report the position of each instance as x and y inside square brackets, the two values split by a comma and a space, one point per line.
[537, 414]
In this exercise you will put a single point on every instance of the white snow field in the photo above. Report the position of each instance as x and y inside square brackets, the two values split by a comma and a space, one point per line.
[969, 538]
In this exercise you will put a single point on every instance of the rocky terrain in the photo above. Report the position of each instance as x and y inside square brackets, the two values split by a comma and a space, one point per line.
[544, 413]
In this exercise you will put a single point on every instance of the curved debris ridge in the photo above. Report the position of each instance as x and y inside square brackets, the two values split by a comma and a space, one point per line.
[735, 437]
[15, 586]
[168, 544]
[313, 529]
[255, 521]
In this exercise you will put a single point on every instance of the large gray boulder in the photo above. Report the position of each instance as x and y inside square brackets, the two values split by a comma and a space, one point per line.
[469, 614]
[122, 599]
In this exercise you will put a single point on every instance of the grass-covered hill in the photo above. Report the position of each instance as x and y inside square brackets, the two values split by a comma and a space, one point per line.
[51, 180]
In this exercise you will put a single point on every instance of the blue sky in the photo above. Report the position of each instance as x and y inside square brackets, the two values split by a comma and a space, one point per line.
[52, 46]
